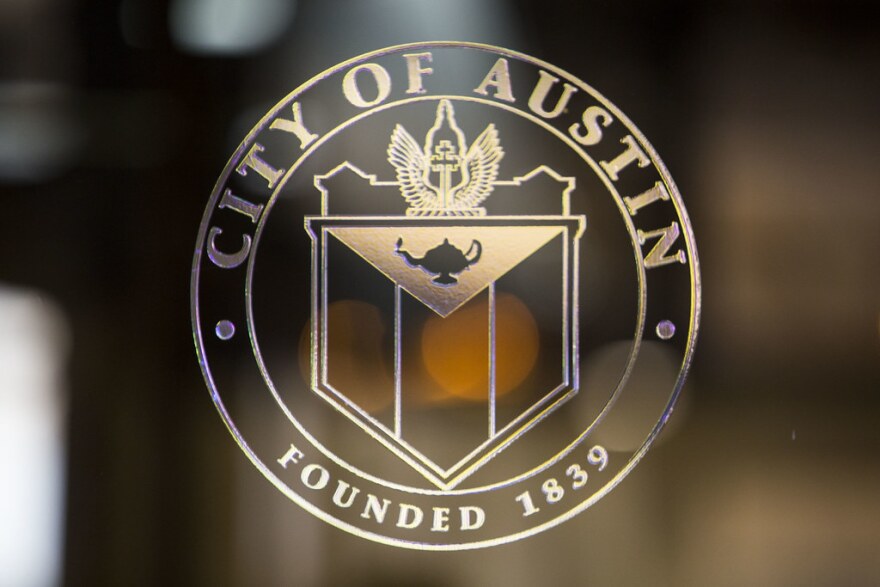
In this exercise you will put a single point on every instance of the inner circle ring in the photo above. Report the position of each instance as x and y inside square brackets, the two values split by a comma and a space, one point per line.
[637, 335]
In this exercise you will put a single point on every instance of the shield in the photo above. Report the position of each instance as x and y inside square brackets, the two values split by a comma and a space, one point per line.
[477, 312]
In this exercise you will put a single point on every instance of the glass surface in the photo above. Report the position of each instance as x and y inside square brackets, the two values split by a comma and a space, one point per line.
[116, 119]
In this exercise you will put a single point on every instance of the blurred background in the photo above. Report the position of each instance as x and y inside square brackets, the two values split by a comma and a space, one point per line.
[116, 117]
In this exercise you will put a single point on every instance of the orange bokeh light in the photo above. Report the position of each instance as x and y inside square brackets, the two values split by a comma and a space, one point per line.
[455, 349]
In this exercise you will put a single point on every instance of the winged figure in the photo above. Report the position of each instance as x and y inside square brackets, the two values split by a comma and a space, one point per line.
[446, 177]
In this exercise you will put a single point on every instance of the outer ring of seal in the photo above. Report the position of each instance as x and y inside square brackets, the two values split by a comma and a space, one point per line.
[695, 300]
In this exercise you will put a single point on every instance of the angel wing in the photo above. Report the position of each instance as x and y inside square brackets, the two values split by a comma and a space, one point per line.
[408, 159]
[481, 167]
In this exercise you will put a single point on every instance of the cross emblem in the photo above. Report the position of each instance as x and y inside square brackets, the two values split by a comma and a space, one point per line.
[445, 161]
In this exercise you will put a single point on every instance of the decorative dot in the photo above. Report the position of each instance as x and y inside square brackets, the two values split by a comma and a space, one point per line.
[226, 330]
[665, 329]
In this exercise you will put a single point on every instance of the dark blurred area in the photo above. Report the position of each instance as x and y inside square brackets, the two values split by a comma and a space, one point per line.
[117, 117]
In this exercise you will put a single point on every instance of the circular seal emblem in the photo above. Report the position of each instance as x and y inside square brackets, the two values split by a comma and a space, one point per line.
[420, 296]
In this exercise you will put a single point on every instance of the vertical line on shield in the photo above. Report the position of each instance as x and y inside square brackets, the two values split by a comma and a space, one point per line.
[491, 359]
[313, 320]
[324, 309]
[397, 371]
[575, 334]
[567, 367]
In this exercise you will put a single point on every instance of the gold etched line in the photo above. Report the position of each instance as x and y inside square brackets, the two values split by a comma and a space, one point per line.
[492, 359]
[398, 417]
